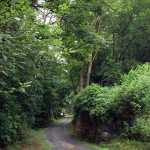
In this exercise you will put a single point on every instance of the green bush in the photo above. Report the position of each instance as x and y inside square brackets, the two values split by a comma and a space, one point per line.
[127, 101]
[103, 103]
[133, 98]
[118, 104]
[141, 129]
[84, 100]
[96, 100]
[12, 125]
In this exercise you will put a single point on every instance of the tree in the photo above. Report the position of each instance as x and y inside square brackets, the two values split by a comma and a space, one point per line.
[81, 33]
[29, 71]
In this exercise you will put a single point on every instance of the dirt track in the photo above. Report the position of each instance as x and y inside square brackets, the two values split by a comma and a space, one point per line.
[60, 140]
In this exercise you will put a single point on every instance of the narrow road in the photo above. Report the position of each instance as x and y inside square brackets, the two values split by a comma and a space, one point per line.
[58, 138]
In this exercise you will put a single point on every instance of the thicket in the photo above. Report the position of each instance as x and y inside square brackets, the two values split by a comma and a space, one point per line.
[32, 88]
[121, 109]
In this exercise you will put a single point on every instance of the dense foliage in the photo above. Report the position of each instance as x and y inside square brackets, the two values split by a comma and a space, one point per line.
[134, 94]
[105, 38]
[124, 104]
[96, 100]
[50, 50]
[32, 89]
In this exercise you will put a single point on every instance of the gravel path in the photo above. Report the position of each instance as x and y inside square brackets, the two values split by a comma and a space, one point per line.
[60, 140]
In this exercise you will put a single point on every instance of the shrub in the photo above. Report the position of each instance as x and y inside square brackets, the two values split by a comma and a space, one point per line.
[13, 122]
[113, 106]
[96, 100]
[84, 100]
[133, 98]
[140, 130]
[103, 103]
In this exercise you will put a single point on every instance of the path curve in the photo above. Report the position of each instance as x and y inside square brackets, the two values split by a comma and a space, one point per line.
[58, 138]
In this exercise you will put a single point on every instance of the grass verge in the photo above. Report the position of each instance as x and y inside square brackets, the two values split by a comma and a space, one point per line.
[118, 144]
[36, 141]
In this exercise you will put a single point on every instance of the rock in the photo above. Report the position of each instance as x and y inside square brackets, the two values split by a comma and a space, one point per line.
[105, 136]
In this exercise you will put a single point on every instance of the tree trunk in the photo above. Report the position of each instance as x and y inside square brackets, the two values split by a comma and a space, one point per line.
[82, 77]
[89, 69]
[52, 114]
[113, 52]
[123, 52]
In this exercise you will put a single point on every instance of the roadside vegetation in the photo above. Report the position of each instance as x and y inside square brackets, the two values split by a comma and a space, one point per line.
[101, 112]
[119, 144]
[35, 140]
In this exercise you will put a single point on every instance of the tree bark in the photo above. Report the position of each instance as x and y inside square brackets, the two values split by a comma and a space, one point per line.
[52, 114]
[89, 69]
[82, 77]
[122, 45]
[113, 52]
